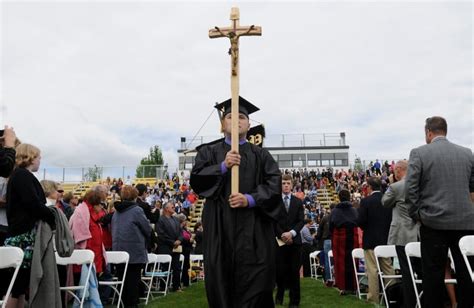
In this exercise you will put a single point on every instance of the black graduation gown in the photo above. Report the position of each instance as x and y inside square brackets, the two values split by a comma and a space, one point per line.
[238, 244]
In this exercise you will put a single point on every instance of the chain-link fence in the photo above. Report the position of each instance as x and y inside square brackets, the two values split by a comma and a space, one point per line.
[95, 173]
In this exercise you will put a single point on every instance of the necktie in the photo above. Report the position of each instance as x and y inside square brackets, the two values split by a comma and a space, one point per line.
[287, 203]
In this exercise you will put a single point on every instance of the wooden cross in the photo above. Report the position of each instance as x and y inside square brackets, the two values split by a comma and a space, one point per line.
[234, 32]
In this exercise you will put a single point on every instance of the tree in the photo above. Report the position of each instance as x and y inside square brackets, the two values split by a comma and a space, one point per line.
[358, 164]
[150, 164]
[93, 174]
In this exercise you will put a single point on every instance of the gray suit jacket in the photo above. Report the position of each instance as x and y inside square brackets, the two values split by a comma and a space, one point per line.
[438, 184]
[403, 229]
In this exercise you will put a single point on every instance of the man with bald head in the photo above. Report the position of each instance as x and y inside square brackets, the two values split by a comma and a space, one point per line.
[403, 229]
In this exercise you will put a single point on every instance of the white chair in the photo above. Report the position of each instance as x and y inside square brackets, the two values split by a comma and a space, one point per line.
[385, 251]
[466, 245]
[413, 250]
[148, 274]
[314, 263]
[181, 261]
[197, 265]
[117, 257]
[10, 257]
[156, 271]
[331, 266]
[78, 257]
[358, 254]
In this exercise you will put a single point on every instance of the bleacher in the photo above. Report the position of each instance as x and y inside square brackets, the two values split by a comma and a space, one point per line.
[196, 212]
[327, 196]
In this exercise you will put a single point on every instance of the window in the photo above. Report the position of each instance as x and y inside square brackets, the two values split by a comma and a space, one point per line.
[299, 160]
[314, 163]
[284, 164]
[314, 156]
[326, 162]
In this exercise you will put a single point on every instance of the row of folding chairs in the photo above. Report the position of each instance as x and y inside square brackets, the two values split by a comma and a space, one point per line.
[12, 257]
[157, 274]
[314, 262]
[412, 250]
[86, 257]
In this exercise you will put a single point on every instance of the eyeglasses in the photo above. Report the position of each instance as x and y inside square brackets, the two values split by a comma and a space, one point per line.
[60, 191]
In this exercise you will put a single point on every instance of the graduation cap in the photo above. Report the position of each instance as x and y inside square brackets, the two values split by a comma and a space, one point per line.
[245, 107]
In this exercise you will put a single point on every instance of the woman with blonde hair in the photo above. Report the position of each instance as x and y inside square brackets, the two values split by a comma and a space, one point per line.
[25, 208]
[50, 189]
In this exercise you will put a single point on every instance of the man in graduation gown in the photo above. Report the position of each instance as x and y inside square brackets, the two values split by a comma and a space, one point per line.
[238, 238]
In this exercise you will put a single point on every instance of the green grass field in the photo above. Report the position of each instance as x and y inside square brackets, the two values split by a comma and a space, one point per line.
[313, 294]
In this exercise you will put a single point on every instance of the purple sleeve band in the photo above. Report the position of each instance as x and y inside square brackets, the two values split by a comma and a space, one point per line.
[223, 168]
[251, 200]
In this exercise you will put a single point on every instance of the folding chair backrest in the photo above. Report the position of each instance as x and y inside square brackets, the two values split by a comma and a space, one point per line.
[195, 258]
[413, 249]
[79, 256]
[10, 257]
[358, 253]
[314, 254]
[466, 245]
[117, 257]
[385, 251]
[163, 259]
[152, 262]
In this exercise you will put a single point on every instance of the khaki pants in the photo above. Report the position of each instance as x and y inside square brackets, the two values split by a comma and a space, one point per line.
[372, 276]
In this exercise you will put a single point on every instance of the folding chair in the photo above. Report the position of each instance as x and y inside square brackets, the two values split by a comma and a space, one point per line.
[159, 272]
[181, 261]
[413, 250]
[385, 251]
[197, 265]
[331, 266]
[148, 274]
[117, 257]
[314, 263]
[78, 257]
[358, 254]
[10, 257]
[466, 245]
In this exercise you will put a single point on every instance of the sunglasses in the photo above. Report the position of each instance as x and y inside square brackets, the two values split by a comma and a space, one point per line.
[60, 191]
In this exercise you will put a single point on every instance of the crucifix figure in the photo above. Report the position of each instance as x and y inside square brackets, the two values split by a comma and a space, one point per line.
[234, 32]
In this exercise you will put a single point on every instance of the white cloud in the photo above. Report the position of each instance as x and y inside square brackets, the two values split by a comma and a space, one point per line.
[101, 82]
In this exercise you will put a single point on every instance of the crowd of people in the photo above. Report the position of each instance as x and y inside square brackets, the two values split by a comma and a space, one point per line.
[111, 216]
[386, 204]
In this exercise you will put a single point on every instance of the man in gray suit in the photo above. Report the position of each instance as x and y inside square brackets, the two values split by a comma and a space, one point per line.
[440, 195]
[403, 229]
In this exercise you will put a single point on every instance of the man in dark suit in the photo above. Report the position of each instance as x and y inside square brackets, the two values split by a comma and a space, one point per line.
[170, 238]
[287, 229]
[440, 195]
[375, 220]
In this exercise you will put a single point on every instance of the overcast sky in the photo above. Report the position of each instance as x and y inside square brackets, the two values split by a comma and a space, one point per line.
[100, 82]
